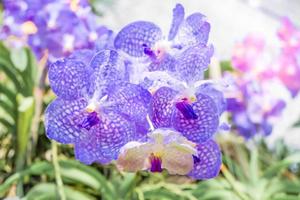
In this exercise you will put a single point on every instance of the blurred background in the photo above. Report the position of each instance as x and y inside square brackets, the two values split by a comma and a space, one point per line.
[256, 60]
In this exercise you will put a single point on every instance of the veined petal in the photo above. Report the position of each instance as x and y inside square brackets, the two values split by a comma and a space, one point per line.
[177, 161]
[178, 17]
[162, 107]
[174, 151]
[111, 133]
[201, 129]
[62, 120]
[192, 63]
[69, 78]
[83, 55]
[194, 30]
[131, 100]
[133, 37]
[108, 69]
[167, 62]
[87, 151]
[108, 65]
[215, 94]
[208, 162]
[134, 157]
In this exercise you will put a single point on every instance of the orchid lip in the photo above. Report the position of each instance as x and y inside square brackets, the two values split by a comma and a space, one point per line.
[148, 51]
[196, 159]
[186, 109]
[91, 120]
[155, 162]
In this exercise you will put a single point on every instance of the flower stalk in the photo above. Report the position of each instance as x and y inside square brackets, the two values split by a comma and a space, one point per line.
[59, 182]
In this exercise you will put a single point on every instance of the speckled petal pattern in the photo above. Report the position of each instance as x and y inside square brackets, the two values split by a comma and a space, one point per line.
[167, 63]
[133, 36]
[131, 100]
[108, 69]
[62, 120]
[178, 17]
[218, 97]
[163, 107]
[200, 129]
[113, 132]
[69, 78]
[208, 162]
[194, 30]
[193, 62]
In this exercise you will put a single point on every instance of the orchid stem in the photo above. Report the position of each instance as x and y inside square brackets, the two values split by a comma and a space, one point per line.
[59, 182]
[229, 177]
[38, 96]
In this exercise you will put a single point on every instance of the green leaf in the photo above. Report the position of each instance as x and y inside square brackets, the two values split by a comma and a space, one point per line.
[285, 197]
[219, 194]
[128, 184]
[4, 52]
[226, 65]
[11, 73]
[25, 110]
[277, 186]
[254, 166]
[9, 126]
[9, 93]
[161, 194]
[281, 165]
[47, 191]
[9, 109]
[19, 59]
[35, 169]
[25, 114]
[91, 177]
[30, 73]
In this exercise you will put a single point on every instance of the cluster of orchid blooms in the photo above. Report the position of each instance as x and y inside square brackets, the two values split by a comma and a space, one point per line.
[52, 28]
[138, 98]
[263, 81]
[142, 103]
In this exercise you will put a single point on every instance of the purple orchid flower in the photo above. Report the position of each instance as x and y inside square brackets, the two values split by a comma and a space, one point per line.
[183, 53]
[56, 28]
[88, 108]
[110, 114]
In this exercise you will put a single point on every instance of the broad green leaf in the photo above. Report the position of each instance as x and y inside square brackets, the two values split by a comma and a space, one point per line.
[94, 178]
[47, 191]
[11, 73]
[161, 194]
[281, 165]
[4, 52]
[254, 165]
[218, 195]
[286, 197]
[19, 59]
[226, 65]
[25, 110]
[35, 169]
[8, 108]
[29, 75]
[8, 125]
[128, 184]
[9, 93]
[277, 186]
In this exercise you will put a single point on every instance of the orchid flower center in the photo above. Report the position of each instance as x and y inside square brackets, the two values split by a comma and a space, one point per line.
[155, 162]
[185, 107]
[158, 50]
[91, 120]
[196, 159]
